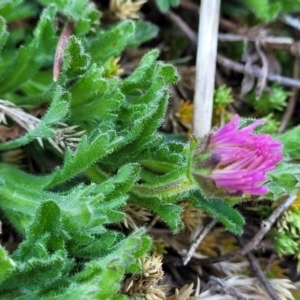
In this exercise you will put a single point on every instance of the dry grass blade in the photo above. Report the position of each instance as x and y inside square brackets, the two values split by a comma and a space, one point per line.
[199, 234]
[184, 293]
[15, 113]
[135, 216]
[248, 288]
[65, 137]
[145, 284]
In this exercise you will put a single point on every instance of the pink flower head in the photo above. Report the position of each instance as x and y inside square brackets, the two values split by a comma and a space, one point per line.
[244, 157]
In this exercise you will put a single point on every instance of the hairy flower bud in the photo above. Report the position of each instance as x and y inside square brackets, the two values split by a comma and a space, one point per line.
[235, 160]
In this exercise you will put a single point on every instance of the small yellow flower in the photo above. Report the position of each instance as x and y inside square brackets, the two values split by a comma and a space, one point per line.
[112, 67]
[185, 113]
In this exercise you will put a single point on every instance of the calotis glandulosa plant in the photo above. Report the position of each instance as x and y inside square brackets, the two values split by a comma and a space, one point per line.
[233, 161]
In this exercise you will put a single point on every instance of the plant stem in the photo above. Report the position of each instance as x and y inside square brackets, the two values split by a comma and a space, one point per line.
[199, 238]
[260, 275]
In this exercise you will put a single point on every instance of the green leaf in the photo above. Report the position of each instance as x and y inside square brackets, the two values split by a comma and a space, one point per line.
[88, 152]
[264, 9]
[164, 158]
[3, 33]
[144, 119]
[16, 10]
[88, 86]
[111, 43]
[7, 264]
[273, 99]
[106, 274]
[164, 5]
[290, 5]
[283, 180]
[123, 180]
[291, 143]
[34, 275]
[168, 213]
[167, 186]
[103, 105]
[48, 220]
[32, 55]
[76, 60]
[284, 244]
[100, 247]
[140, 75]
[168, 73]
[144, 31]
[220, 210]
[82, 12]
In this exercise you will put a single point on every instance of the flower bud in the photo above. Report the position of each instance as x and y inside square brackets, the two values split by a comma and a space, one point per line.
[233, 161]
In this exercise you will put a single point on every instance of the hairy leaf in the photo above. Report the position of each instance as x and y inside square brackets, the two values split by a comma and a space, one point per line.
[112, 42]
[220, 210]
[7, 265]
[88, 152]
[144, 31]
[76, 60]
[32, 55]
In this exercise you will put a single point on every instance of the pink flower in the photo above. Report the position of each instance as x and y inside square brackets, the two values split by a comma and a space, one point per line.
[244, 158]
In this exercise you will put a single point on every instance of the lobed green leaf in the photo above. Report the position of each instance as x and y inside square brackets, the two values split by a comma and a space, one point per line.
[32, 55]
[112, 42]
[284, 180]
[291, 143]
[82, 12]
[221, 210]
[7, 265]
[16, 10]
[3, 33]
[144, 31]
[76, 60]
[89, 151]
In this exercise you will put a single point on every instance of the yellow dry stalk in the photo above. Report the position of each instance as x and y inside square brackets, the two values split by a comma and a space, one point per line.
[145, 284]
[191, 216]
[155, 294]
[152, 267]
[275, 270]
[136, 215]
[66, 137]
[217, 242]
[159, 246]
[184, 293]
[125, 9]
[13, 157]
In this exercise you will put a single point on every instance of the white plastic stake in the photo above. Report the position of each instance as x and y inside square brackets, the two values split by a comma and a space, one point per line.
[206, 65]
